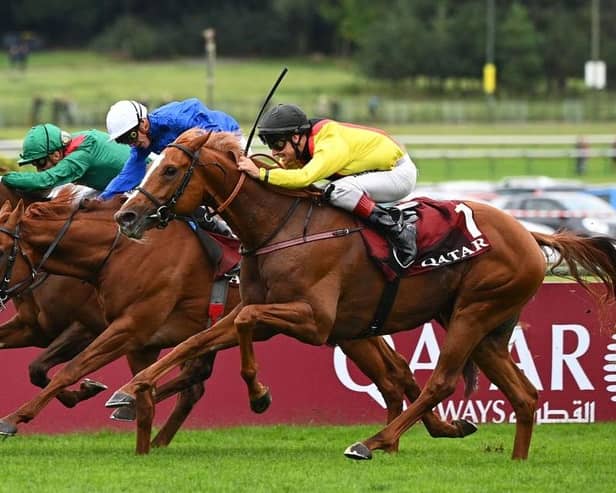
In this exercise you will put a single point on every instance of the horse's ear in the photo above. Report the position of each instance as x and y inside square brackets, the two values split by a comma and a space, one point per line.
[6, 207]
[17, 212]
[19, 208]
[199, 140]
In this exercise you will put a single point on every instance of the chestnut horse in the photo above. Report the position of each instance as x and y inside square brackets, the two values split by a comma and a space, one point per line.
[141, 347]
[327, 290]
[60, 314]
[157, 308]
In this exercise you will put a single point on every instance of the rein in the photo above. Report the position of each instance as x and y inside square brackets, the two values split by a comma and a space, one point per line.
[336, 233]
[166, 212]
[5, 291]
[36, 277]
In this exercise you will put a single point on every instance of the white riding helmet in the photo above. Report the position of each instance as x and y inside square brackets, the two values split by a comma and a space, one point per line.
[124, 116]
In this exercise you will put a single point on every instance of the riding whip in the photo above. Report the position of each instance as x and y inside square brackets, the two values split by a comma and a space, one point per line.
[267, 100]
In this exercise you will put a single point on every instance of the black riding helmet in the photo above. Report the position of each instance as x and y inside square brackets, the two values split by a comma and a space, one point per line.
[283, 119]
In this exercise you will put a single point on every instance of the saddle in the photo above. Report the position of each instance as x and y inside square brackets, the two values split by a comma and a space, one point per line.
[222, 250]
[446, 234]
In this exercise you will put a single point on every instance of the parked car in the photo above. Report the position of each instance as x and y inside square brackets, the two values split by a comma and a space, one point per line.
[579, 212]
[518, 184]
[605, 192]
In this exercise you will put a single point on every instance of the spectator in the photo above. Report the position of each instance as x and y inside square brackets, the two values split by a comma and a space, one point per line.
[581, 156]
[373, 107]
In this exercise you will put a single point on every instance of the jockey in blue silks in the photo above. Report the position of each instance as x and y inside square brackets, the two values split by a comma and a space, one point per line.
[128, 122]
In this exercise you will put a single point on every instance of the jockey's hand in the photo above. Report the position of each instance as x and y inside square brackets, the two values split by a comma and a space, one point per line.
[245, 164]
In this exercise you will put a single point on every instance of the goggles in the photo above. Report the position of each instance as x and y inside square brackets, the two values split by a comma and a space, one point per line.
[275, 142]
[40, 162]
[129, 137]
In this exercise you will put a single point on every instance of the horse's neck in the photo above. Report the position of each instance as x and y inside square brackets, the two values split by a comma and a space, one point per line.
[80, 251]
[258, 211]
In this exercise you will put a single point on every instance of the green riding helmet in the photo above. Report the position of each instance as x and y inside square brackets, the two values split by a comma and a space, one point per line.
[41, 141]
[284, 119]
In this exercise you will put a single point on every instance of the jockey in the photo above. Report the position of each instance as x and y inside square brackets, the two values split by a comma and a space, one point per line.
[128, 122]
[86, 158]
[363, 166]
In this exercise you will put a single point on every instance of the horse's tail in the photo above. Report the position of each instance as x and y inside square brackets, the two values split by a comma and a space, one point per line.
[595, 255]
[470, 373]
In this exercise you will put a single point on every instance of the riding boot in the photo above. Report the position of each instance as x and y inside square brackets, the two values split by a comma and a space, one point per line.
[211, 222]
[402, 236]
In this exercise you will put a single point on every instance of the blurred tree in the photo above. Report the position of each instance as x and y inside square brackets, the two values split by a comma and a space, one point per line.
[539, 43]
[350, 18]
[518, 53]
[391, 46]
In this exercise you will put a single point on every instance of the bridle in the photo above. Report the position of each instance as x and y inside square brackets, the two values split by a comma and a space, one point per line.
[36, 276]
[165, 212]
[5, 291]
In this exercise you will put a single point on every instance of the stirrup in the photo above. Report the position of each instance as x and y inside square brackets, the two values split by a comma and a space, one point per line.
[400, 263]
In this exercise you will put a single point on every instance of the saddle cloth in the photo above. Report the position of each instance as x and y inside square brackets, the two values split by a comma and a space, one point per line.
[223, 251]
[446, 234]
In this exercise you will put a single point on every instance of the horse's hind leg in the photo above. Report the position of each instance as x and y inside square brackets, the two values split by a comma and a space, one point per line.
[391, 374]
[492, 356]
[191, 389]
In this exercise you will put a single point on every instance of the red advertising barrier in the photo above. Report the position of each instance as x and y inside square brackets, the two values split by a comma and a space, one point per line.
[558, 344]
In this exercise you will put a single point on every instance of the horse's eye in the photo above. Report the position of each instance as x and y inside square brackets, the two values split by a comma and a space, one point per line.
[170, 171]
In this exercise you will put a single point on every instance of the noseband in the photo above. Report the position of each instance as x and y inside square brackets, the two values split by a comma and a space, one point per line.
[165, 212]
[5, 291]
[34, 280]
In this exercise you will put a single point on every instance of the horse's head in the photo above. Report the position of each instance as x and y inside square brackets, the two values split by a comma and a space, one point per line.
[10, 251]
[171, 185]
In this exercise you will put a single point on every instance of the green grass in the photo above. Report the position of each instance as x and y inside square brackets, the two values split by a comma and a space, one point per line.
[309, 459]
[93, 82]
[600, 170]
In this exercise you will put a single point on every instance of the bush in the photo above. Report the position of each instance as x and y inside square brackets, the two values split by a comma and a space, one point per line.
[131, 38]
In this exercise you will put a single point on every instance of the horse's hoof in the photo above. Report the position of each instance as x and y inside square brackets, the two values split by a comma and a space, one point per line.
[261, 404]
[120, 399]
[465, 427]
[93, 385]
[7, 429]
[358, 451]
[124, 413]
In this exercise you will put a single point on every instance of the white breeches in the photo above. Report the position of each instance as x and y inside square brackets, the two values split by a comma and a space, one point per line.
[380, 186]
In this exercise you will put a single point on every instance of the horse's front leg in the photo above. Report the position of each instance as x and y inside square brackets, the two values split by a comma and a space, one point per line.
[190, 384]
[107, 347]
[66, 346]
[455, 351]
[295, 319]
[144, 406]
[221, 335]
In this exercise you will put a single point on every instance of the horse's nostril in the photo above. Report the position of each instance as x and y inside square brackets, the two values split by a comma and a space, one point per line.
[125, 218]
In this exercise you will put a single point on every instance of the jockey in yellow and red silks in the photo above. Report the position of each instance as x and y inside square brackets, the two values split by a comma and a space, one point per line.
[363, 166]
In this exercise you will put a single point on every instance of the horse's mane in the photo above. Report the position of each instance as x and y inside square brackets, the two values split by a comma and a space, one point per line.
[67, 199]
[219, 141]
[226, 142]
